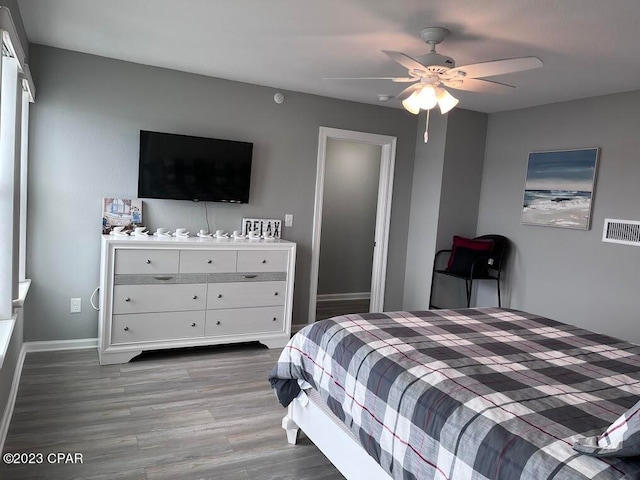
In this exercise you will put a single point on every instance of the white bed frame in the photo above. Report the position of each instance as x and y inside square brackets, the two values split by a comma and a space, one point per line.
[310, 414]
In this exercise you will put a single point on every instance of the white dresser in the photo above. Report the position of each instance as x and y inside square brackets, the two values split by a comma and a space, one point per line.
[167, 292]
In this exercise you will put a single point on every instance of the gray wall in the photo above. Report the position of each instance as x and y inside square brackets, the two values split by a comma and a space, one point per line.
[84, 146]
[445, 195]
[568, 275]
[461, 176]
[425, 209]
[352, 174]
[460, 195]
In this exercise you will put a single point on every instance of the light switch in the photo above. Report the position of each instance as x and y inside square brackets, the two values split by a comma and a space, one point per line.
[288, 220]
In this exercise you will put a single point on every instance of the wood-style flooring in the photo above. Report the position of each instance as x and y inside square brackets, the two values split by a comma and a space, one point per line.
[206, 413]
[327, 309]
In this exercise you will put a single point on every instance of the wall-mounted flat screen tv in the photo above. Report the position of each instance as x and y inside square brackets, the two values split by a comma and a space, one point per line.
[181, 167]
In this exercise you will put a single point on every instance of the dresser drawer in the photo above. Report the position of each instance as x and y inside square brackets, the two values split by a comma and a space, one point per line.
[144, 327]
[244, 320]
[146, 261]
[208, 261]
[245, 294]
[159, 298]
[262, 261]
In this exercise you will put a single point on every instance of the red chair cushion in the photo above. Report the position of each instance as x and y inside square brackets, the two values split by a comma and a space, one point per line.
[464, 252]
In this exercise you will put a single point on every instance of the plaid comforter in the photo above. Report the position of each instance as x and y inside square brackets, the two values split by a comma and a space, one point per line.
[470, 394]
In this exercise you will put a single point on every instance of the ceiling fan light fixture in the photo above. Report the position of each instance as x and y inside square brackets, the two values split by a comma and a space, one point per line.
[411, 103]
[446, 101]
[426, 98]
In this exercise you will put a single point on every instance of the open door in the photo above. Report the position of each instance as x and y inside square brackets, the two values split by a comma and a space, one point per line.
[377, 245]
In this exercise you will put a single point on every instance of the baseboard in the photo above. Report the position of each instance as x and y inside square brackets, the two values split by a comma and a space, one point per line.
[54, 345]
[11, 400]
[336, 297]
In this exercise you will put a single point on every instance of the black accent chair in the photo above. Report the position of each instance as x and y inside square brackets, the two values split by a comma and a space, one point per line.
[483, 266]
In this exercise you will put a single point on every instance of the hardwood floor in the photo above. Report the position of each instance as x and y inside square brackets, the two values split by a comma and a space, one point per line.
[206, 413]
[333, 308]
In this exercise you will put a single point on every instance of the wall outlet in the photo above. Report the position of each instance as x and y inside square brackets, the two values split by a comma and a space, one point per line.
[288, 220]
[75, 306]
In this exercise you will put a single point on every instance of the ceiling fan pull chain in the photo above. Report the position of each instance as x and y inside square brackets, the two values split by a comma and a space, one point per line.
[426, 129]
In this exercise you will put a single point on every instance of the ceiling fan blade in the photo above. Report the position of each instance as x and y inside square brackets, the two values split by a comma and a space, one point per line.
[393, 79]
[406, 61]
[407, 91]
[404, 79]
[477, 85]
[496, 67]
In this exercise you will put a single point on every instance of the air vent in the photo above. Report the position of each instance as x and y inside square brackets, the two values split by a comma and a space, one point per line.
[626, 232]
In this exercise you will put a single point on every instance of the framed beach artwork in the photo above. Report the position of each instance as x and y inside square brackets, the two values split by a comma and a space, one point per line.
[559, 187]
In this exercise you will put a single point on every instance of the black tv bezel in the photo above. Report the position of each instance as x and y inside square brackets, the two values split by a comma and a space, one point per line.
[208, 199]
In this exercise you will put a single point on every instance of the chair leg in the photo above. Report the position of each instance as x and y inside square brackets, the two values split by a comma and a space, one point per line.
[433, 278]
[499, 299]
[469, 284]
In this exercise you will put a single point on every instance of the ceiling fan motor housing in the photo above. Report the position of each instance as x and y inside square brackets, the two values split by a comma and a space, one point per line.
[436, 63]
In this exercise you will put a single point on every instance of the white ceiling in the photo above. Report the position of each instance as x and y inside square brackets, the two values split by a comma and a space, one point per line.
[589, 47]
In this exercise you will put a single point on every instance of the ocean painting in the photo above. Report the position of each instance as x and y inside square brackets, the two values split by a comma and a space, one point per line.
[559, 188]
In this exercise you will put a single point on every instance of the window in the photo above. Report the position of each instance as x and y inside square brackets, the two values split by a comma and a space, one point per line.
[24, 154]
[9, 170]
[16, 92]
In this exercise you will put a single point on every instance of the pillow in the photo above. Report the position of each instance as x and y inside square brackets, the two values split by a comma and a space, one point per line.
[621, 439]
[464, 252]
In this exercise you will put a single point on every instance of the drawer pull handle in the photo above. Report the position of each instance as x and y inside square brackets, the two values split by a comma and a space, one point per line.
[163, 278]
[195, 297]
[219, 295]
[276, 294]
[127, 299]
[148, 261]
[274, 319]
[264, 261]
[209, 261]
[218, 322]
[249, 276]
[126, 329]
[193, 324]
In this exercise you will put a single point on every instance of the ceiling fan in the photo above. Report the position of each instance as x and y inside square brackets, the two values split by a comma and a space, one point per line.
[432, 74]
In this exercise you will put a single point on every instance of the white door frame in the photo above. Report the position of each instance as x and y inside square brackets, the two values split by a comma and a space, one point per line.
[383, 212]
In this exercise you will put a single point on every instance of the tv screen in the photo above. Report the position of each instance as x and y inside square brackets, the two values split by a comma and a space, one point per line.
[181, 167]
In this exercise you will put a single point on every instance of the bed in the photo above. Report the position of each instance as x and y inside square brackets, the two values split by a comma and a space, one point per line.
[482, 393]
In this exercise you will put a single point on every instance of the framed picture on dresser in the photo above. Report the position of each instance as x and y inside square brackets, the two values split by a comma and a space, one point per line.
[120, 212]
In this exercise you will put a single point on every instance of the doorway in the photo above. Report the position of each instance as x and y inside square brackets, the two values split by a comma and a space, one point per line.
[354, 185]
